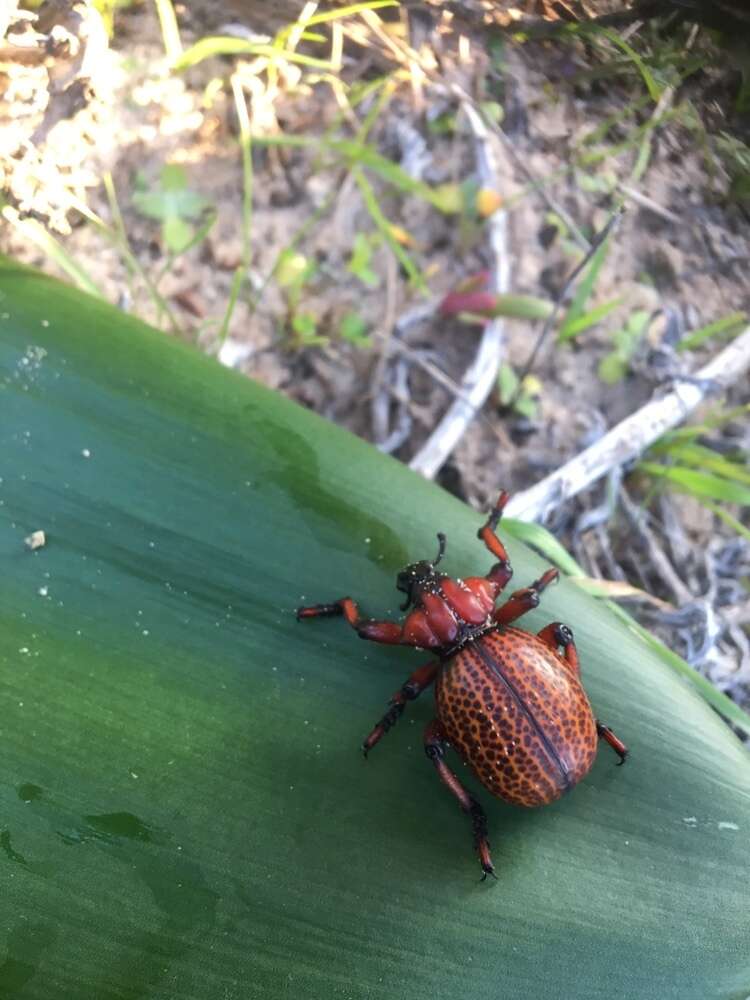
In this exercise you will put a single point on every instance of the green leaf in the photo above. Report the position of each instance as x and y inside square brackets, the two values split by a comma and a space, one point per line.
[171, 197]
[359, 262]
[34, 232]
[615, 365]
[305, 325]
[386, 230]
[507, 383]
[588, 319]
[700, 484]
[228, 45]
[652, 86]
[583, 292]
[720, 327]
[706, 458]
[522, 307]
[177, 233]
[612, 368]
[545, 543]
[446, 198]
[353, 328]
[526, 406]
[185, 811]
[293, 270]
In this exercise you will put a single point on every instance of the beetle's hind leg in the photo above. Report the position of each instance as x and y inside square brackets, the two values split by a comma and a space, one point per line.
[434, 744]
[606, 734]
[414, 686]
[557, 635]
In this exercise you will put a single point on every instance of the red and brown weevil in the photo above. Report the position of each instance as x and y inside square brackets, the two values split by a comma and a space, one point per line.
[509, 702]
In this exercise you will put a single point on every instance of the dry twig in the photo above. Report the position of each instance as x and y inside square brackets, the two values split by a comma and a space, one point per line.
[479, 378]
[630, 438]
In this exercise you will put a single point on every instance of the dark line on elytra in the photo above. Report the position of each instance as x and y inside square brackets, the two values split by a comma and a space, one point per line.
[544, 739]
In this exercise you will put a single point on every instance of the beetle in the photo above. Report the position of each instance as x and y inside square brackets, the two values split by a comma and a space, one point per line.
[510, 703]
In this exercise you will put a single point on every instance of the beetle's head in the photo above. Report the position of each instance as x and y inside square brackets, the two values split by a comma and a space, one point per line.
[419, 576]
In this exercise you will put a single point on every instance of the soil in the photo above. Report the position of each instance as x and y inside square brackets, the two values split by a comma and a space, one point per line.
[581, 132]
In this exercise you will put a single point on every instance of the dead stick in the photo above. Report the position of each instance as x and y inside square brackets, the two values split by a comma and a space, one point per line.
[630, 438]
[480, 377]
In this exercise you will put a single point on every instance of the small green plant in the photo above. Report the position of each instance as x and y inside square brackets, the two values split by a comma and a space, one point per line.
[294, 272]
[577, 319]
[614, 365]
[172, 203]
[520, 396]
[353, 327]
[690, 465]
[361, 258]
[724, 327]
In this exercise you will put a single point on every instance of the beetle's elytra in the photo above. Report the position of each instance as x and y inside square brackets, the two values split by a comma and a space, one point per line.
[509, 702]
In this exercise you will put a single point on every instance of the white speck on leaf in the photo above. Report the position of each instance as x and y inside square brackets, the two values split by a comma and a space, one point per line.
[724, 825]
[36, 540]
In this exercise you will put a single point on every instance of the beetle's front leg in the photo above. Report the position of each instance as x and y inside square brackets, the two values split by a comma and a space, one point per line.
[524, 600]
[434, 740]
[385, 632]
[414, 686]
[502, 571]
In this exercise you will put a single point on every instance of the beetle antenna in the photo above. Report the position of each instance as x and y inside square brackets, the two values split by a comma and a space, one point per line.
[441, 551]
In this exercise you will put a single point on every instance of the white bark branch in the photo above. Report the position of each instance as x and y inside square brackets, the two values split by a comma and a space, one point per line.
[480, 377]
[630, 438]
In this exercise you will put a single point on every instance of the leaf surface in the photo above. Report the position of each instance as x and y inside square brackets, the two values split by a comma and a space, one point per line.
[185, 811]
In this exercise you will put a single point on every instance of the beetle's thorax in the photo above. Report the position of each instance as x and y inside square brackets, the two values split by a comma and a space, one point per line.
[448, 613]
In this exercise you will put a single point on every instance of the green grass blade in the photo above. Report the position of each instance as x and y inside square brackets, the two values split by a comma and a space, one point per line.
[170, 32]
[719, 328]
[359, 154]
[247, 168]
[705, 427]
[327, 16]
[731, 521]
[227, 45]
[652, 86]
[545, 543]
[237, 280]
[699, 484]
[701, 457]
[35, 233]
[571, 328]
[383, 225]
[583, 291]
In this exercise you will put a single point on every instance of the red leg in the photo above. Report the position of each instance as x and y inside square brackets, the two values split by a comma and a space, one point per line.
[415, 685]
[434, 740]
[524, 600]
[386, 632]
[556, 635]
[501, 572]
[606, 734]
